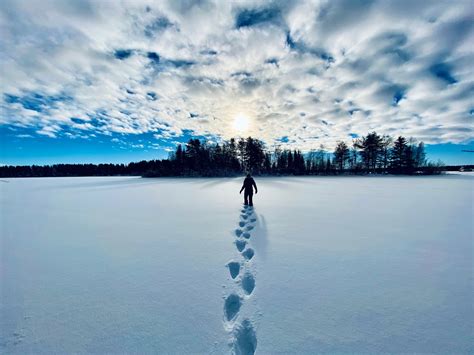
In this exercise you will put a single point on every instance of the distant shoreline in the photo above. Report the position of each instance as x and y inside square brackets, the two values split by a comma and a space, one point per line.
[440, 173]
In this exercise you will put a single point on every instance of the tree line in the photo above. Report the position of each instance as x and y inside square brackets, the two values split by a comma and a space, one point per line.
[370, 154]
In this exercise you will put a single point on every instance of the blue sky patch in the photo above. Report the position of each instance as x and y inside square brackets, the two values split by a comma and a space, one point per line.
[179, 63]
[443, 72]
[252, 17]
[36, 101]
[157, 26]
[153, 56]
[302, 48]
[398, 96]
[123, 53]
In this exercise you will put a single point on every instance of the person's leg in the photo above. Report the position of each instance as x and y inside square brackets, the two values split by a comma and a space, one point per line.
[250, 199]
[246, 201]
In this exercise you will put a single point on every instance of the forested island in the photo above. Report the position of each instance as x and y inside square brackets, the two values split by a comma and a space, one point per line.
[372, 154]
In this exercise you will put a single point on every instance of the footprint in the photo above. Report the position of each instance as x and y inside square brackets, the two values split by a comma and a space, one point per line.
[245, 342]
[253, 220]
[234, 269]
[242, 223]
[249, 228]
[248, 253]
[238, 232]
[232, 306]
[246, 235]
[240, 244]
[244, 216]
[248, 283]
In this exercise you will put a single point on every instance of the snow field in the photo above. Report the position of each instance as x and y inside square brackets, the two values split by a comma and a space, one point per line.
[177, 266]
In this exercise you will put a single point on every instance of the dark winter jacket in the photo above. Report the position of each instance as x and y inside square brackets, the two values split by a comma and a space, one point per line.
[249, 182]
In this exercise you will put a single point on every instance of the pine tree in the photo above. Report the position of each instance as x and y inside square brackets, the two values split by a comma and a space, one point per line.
[385, 151]
[370, 149]
[398, 154]
[409, 159]
[341, 155]
[290, 163]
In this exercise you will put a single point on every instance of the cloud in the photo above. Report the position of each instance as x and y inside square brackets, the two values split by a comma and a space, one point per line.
[305, 72]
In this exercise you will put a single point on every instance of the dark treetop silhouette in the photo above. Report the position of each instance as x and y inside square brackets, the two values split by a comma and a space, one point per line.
[248, 185]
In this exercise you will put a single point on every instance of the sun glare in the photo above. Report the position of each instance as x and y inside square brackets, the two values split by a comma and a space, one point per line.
[241, 123]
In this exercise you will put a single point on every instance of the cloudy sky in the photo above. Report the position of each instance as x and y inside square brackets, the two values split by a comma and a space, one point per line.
[126, 80]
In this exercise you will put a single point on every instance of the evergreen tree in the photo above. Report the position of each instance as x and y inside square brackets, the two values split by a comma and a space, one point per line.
[385, 151]
[409, 160]
[242, 154]
[290, 167]
[398, 154]
[254, 155]
[370, 149]
[267, 165]
[341, 155]
[179, 156]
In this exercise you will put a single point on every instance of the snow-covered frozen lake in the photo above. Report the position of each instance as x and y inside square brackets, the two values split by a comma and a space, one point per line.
[346, 264]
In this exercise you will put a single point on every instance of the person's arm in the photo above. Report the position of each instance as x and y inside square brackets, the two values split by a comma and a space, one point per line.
[254, 185]
[241, 189]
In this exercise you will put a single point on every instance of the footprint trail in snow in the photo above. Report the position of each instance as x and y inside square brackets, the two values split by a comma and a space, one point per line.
[244, 337]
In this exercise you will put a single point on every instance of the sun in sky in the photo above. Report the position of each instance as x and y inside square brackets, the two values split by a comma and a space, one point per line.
[241, 123]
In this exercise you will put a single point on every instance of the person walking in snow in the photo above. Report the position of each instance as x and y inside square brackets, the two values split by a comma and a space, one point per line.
[248, 185]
